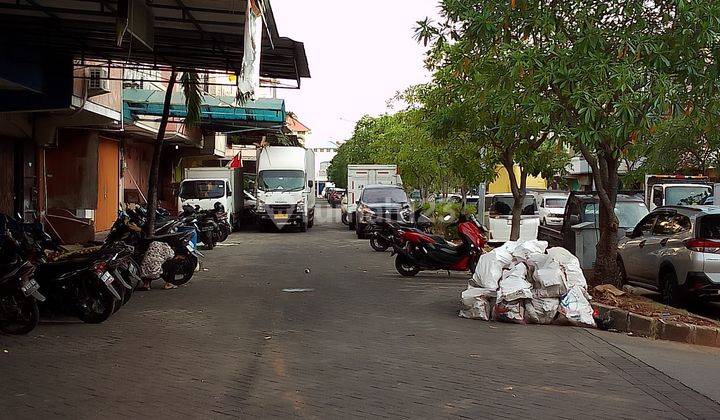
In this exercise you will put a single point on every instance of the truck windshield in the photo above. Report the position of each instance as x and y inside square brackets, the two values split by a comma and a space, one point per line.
[384, 195]
[686, 195]
[198, 190]
[628, 213]
[281, 180]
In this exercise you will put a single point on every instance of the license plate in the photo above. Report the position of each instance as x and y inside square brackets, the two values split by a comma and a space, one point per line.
[281, 216]
[106, 277]
[29, 287]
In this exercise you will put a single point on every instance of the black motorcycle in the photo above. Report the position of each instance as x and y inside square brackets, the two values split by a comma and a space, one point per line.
[382, 230]
[19, 295]
[81, 285]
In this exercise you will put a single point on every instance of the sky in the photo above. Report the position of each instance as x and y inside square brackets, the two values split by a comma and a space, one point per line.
[360, 54]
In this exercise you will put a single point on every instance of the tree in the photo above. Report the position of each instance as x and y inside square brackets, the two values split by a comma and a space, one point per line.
[483, 103]
[612, 70]
[193, 99]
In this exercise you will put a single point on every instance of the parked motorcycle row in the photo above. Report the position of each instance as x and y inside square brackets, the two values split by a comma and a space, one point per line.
[416, 249]
[38, 276]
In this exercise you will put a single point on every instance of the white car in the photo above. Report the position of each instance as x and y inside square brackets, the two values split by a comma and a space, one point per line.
[498, 214]
[551, 208]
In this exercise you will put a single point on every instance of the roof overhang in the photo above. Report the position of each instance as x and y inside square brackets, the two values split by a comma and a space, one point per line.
[217, 113]
[185, 34]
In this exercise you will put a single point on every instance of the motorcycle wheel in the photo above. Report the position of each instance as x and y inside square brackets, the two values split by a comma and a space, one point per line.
[405, 267]
[25, 318]
[180, 272]
[344, 219]
[97, 305]
[379, 244]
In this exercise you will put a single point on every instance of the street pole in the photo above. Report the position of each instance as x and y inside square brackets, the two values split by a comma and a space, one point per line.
[481, 202]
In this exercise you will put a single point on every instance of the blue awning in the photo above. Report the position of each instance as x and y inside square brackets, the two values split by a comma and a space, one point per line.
[215, 111]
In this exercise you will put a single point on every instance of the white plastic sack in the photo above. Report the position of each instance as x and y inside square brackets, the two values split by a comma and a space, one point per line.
[570, 265]
[541, 310]
[469, 295]
[488, 271]
[504, 252]
[513, 312]
[527, 248]
[514, 284]
[575, 308]
[480, 308]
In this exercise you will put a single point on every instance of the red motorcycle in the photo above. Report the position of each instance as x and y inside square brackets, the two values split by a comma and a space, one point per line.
[418, 251]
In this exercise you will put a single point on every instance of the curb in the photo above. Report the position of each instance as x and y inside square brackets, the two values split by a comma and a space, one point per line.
[643, 326]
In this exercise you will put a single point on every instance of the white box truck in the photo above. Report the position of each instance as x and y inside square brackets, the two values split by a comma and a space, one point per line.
[361, 175]
[206, 186]
[285, 187]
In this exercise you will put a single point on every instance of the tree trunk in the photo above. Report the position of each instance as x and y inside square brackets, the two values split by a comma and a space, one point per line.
[155, 165]
[518, 192]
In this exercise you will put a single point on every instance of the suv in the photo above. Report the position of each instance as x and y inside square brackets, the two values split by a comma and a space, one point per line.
[552, 209]
[675, 250]
[387, 201]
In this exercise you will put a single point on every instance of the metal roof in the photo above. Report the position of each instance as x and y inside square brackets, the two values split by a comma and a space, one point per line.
[188, 34]
[214, 110]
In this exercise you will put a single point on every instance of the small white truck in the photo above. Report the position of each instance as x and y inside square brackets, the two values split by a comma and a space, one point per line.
[361, 175]
[285, 187]
[206, 186]
[674, 190]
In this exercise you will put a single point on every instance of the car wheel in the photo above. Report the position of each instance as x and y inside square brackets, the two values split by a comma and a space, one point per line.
[670, 292]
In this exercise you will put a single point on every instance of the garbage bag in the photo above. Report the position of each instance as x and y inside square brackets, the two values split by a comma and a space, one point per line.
[570, 265]
[575, 308]
[512, 311]
[469, 295]
[527, 248]
[488, 271]
[479, 308]
[155, 256]
[504, 252]
[514, 284]
[541, 310]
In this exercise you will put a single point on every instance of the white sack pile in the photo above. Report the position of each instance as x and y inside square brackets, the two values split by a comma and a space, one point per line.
[523, 282]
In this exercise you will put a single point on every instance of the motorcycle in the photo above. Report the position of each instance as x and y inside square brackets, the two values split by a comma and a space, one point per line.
[19, 292]
[382, 230]
[417, 251]
[79, 284]
[178, 270]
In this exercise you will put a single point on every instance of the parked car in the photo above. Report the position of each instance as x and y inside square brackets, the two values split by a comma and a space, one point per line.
[676, 251]
[551, 208]
[386, 201]
[498, 215]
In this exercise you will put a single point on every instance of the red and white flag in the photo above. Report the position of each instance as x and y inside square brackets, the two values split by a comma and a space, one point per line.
[236, 162]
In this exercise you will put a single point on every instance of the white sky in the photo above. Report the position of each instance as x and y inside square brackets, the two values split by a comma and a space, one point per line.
[360, 54]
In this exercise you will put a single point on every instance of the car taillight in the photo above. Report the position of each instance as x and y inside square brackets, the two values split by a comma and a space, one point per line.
[100, 267]
[703, 245]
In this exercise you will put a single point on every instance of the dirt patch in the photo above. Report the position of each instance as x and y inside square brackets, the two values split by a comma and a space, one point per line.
[647, 307]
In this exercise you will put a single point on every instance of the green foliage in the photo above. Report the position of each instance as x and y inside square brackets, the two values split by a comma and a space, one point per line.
[603, 76]
[190, 83]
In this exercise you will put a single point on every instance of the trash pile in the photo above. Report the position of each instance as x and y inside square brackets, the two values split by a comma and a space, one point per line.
[524, 282]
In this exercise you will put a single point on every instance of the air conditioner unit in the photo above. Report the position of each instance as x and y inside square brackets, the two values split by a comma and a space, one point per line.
[97, 81]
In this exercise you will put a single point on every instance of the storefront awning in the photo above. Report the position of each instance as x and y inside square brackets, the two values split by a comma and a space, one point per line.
[220, 113]
[185, 34]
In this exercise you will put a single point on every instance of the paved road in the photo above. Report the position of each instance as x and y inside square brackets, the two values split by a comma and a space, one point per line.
[363, 343]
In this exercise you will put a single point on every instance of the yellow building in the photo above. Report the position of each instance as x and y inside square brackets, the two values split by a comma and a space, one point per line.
[501, 184]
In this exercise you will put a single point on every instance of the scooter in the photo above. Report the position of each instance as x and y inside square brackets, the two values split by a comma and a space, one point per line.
[418, 251]
[382, 231]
